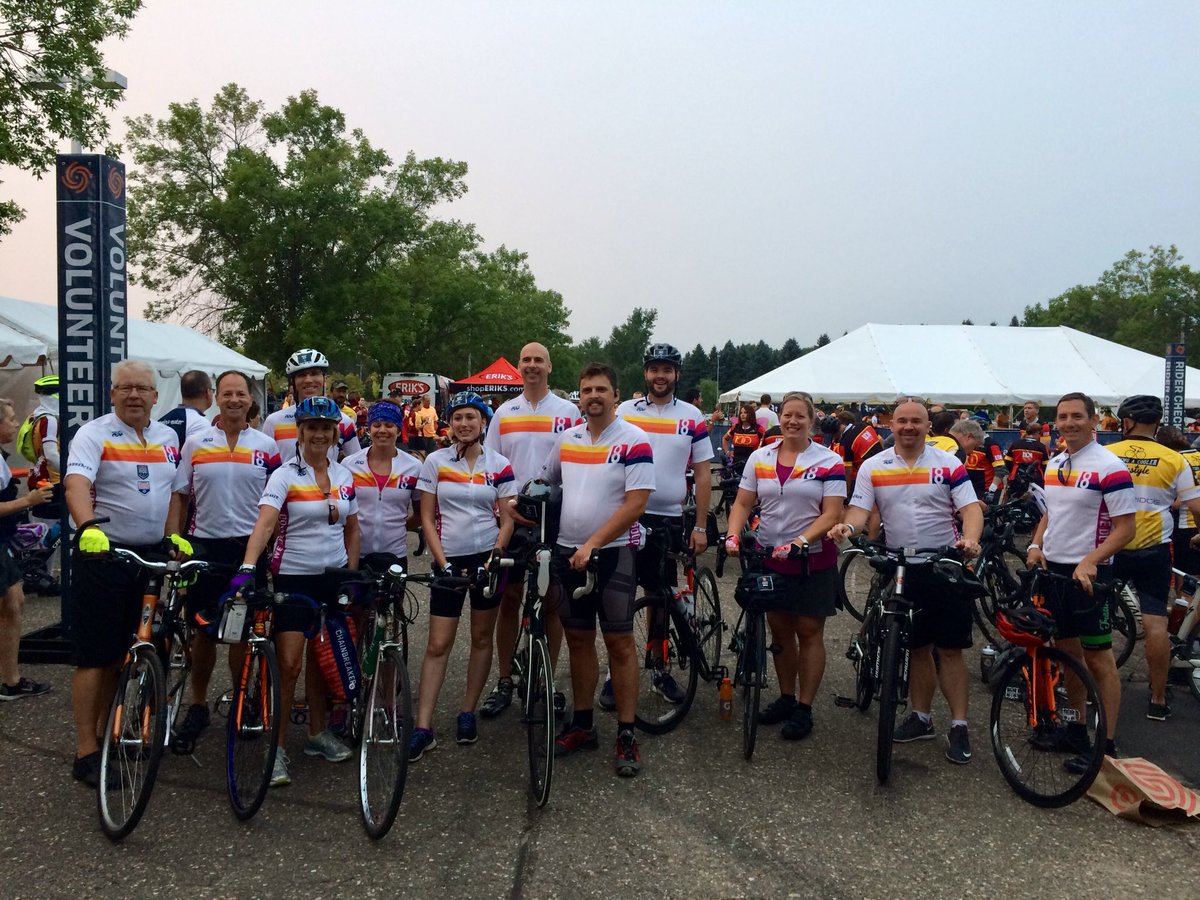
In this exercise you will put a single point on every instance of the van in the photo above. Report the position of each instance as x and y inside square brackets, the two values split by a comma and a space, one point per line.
[418, 384]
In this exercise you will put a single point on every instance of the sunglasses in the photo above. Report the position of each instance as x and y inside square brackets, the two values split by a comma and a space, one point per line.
[1064, 473]
[333, 507]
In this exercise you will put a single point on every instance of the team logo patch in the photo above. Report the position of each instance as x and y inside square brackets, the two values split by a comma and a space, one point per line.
[561, 424]
[172, 455]
[116, 434]
[143, 474]
[260, 459]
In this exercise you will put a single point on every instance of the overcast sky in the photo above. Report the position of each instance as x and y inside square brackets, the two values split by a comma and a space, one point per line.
[753, 170]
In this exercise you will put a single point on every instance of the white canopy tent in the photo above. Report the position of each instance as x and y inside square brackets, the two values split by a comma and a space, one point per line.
[171, 349]
[968, 365]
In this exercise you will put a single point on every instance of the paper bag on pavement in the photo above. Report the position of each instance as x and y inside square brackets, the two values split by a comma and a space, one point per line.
[1137, 789]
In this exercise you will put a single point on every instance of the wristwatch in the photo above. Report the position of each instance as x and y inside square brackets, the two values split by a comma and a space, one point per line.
[1033, 547]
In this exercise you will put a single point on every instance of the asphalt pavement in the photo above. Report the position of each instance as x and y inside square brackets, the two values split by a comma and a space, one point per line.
[801, 819]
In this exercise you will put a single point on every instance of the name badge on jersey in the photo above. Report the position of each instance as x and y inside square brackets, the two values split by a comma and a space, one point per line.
[143, 474]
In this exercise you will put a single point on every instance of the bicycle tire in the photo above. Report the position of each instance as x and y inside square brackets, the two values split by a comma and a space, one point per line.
[889, 677]
[252, 730]
[357, 712]
[655, 713]
[856, 584]
[177, 665]
[1194, 682]
[539, 720]
[134, 737]
[754, 672]
[383, 749]
[709, 628]
[1124, 629]
[1030, 754]
[864, 680]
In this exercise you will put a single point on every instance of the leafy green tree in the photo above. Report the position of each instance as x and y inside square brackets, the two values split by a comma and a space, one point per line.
[52, 80]
[708, 394]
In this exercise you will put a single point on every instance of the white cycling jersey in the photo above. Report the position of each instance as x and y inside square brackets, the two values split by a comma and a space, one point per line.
[524, 433]
[789, 508]
[466, 497]
[383, 510]
[678, 437]
[225, 485]
[917, 504]
[280, 426]
[1084, 490]
[308, 543]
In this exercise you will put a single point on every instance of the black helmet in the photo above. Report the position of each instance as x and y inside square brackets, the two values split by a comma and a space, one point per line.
[1144, 409]
[662, 353]
[541, 502]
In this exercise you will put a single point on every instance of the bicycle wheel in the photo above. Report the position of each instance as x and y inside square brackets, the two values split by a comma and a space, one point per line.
[252, 733]
[665, 666]
[357, 708]
[383, 749]
[134, 738]
[539, 720]
[177, 663]
[889, 687]
[1124, 627]
[1029, 727]
[709, 630]
[857, 584]
[868, 648]
[754, 673]
[1194, 682]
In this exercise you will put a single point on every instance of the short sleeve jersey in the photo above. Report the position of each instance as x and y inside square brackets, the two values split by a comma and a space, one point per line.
[943, 442]
[307, 542]
[917, 504]
[859, 441]
[766, 417]
[280, 426]
[982, 464]
[1030, 453]
[466, 497]
[426, 421]
[1160, 477]
[1192, 458]
[678, 437]
[383, 511]
[1084, 490]
[225, 485]
[789, 508]
[524, 433]
[131, 477]
[595, 476]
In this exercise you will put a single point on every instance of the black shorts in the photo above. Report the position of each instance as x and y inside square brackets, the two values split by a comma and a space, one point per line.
[942, 615]
[1149, 571]
[612, 599]
[1079, 614]
[655, 569]
[1186, 557]
[381, 562]
[10, 569]
[448, 602]
[228, 554]
[292, 616]
[813, 595]
[106, 597]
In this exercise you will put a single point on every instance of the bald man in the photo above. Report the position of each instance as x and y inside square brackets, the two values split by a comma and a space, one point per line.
[524, 430]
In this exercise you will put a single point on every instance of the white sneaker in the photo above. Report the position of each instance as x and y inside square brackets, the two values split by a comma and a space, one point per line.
[327, 746]
[280, 776]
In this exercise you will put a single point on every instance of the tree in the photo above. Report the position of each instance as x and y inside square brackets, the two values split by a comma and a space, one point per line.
[822, 340]
[52, 84]
[708, 394]
[790, 350]
[1014, 322]
[627, 345]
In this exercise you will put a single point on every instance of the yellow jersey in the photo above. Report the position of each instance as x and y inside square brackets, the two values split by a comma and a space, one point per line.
[1160, 477]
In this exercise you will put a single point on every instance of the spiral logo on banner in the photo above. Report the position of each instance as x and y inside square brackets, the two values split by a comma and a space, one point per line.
[1157, 785]
[76, 178]
[116, 183]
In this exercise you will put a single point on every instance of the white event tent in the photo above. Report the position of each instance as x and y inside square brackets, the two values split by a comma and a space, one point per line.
[29, 348]
[968, 365]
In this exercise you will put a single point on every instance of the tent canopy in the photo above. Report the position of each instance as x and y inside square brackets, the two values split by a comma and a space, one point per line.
[501, 375]
[968, 365]
[18, 349]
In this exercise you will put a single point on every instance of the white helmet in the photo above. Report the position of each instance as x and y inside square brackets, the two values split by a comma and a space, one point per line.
[305, 359]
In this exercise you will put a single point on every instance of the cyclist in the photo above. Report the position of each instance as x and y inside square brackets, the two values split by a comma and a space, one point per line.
[678, 439]
[939, 436]
[606, 469]
[1161, 477]
[305, 371]
[312, 501]
[462, 486]
[187, 419]
[221, 476]
[800, 487]
[121, 466]
[764, 416]
[917, 487]
[385, 479]
[1028, 453]
[1090, 508]
[339, 393]
[12, 593]
[43, 445]
[985, 459]
[1187, 557]
[524, 430]
[744, 437]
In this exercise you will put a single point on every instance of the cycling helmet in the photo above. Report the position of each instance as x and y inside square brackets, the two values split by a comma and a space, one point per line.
[468, 398]
[318, 408]
[385, 411]
[1026, 625]
[47, 384]
[662, 353]
[305, 359]
[1145, 409]
[541, 502]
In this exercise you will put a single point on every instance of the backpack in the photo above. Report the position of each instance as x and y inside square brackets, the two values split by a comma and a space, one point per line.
[24, 440]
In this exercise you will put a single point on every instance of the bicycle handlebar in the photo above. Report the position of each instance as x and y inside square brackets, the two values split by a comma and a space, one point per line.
[589, 582]
[171, 566]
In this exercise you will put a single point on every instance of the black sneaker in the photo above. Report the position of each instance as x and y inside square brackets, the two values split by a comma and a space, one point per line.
[628, 760]
[194, 722]
[467, 732]
[668, 688]
[798, 726]
[958, 745]
[23, 688]
[778, 710]
[913, 729]
[498, 700]
[87, 769]
[1158, 712]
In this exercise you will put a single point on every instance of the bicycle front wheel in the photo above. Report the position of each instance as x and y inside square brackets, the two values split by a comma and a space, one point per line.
[856, 584]
[754, 673]
[383, 748]
[710, 629]
[252, 730]
[1049, 750]
[889, 688]
[133, 743]
[666, 671]
[539, 720]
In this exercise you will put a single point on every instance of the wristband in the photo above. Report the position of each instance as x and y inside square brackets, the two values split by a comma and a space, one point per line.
[244, 568]
[803, 540]
[1033, 547]
[700, 530]
[853, 530]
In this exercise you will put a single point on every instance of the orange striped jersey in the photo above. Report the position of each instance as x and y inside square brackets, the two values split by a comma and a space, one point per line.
[466, 494]
[918, 502]
[131, 476]
[789, 508]
[308, 542]
[1160, 477]
[595, 475]
[383, 511]
[858, 442]
[225, 484]
[678, 437]
[524, 433]
[280, 426]
[1084, 490]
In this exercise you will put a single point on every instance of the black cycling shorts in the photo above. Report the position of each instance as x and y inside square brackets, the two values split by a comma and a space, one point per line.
[10, 569]
[448, 602]
[942, 614]
[1077, 613]
[655, 569]
[814, 594]
[612, 599]
[1149, 571]
[227, 553]
[106, 597]
[1187, 557]
[290, 616]
[381, 562]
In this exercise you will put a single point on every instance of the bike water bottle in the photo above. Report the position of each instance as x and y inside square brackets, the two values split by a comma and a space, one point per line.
[686, 601]
[726, 705]
[987, 660]
[1179, 609]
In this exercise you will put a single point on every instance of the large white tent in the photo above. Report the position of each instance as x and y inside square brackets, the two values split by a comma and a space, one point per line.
[967, 365]
[170, 349]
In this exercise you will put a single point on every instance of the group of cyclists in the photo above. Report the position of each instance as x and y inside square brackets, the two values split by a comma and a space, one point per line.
[286, 502]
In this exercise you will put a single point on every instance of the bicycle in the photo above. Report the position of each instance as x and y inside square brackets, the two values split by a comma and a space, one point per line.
[997, 565]
[1185, 635]
[1046, 704]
